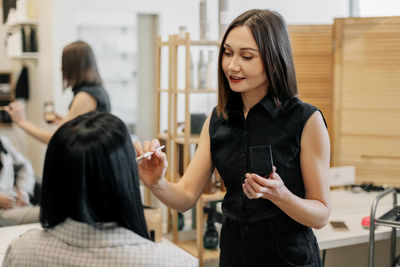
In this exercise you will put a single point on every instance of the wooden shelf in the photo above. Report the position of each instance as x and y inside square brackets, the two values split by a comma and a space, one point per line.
[191, 247]
[194, 139]
[196, 42]
[195, 91]
[163, 136]
[217, 196]
[204, 42]
[179, 142]
[27, 55]
[27, 22]
[15, 27]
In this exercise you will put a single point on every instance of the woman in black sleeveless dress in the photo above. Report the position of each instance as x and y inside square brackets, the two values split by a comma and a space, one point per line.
[269, 208]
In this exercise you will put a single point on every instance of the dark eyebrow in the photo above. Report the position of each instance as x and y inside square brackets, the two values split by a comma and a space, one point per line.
[244, 48]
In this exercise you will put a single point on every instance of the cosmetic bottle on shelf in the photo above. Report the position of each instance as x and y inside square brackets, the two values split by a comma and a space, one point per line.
[211, 72]
[193, 83]
[203, 20]
[201, 71]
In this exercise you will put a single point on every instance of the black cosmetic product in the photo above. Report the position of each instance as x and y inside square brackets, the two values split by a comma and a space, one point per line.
[260, 160]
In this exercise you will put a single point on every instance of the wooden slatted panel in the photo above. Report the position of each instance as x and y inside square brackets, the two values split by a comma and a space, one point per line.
[313, 55]
[367, 97]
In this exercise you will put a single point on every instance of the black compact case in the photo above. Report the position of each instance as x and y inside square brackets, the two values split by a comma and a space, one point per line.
[260, 160]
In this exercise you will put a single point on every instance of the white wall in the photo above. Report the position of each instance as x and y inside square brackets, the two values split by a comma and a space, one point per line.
[373, 8]
[296, 12]
[17, 137]
[5, 63]
[57, 28]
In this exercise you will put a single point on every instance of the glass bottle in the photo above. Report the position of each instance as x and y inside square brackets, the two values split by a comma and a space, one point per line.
[201, 71]
[48, 112]
[193, 82]
[211, 76]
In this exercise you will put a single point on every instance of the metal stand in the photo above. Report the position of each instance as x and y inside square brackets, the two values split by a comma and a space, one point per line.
[389, 219]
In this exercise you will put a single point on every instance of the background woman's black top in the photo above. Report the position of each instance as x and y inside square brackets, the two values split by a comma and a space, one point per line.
[236, 142]
[97, 92]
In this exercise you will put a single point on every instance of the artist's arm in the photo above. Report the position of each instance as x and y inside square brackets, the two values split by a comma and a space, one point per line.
[183, 194]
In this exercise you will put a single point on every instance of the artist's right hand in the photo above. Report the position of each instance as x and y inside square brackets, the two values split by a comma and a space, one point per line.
[6, 202]
[151, 169]
[16, 110]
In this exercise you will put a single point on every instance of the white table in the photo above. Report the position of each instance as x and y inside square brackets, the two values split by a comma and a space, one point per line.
[9, 233]
[350, 208]
[346, 206]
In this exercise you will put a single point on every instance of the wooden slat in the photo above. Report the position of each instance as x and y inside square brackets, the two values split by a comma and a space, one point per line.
[355, 147]
[186, 157]
[367, 121]
[312, 53]
[367, 78]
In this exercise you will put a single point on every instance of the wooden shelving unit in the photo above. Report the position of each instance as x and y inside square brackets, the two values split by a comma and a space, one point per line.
[6, 97]
[24, 55]
[178, 143]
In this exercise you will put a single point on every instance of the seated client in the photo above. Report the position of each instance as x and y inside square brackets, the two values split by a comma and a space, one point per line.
[17, 182]
[91, 209]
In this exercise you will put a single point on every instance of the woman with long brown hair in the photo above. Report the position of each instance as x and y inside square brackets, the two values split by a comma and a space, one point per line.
[80, 72]
[270, 148]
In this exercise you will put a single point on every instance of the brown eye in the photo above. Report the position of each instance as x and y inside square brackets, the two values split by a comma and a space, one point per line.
[247, 57]
[227, 53]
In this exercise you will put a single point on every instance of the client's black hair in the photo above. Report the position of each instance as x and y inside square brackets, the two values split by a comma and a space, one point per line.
[90, 175]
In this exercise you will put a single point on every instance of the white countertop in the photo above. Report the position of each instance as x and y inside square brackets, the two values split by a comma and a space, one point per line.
[346, 206]
[9, 233]
[350, 208]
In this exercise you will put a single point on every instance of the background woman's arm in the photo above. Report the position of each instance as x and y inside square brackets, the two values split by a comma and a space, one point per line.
[82, 103]
[16, 111]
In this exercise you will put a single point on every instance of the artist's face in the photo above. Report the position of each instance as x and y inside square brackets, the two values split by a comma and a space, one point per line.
[242, 63]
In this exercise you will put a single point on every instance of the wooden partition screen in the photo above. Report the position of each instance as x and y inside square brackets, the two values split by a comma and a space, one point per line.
[313, 59]
[367, 98]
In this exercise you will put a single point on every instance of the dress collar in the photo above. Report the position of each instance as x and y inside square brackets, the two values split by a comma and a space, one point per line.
[269, 105]
[267, 102]
[101, 235]
[75, 89]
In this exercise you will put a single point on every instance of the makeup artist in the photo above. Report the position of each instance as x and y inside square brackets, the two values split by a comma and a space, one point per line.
[268, 220]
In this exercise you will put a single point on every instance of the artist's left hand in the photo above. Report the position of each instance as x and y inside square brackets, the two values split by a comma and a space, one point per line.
[271, 188]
